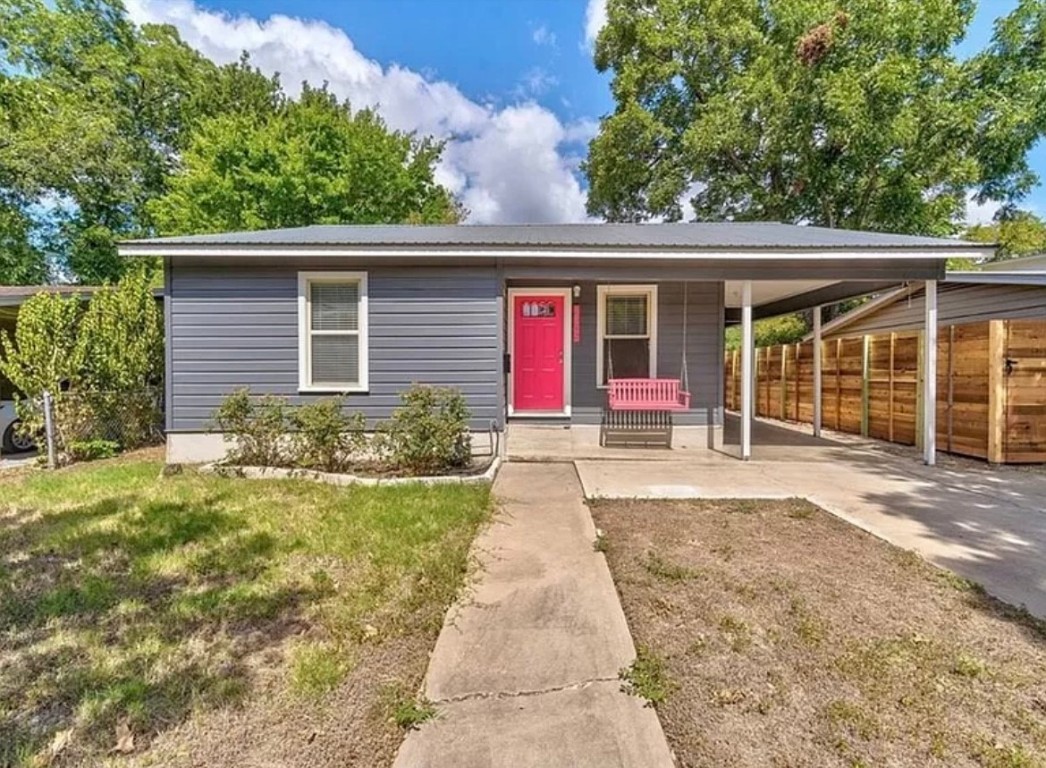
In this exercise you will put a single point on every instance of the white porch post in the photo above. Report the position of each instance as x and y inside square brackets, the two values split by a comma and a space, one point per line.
[930, 376]
[817, 371]
[747, 374]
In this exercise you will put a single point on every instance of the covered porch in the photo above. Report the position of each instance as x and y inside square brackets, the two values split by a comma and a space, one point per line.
[693, 354]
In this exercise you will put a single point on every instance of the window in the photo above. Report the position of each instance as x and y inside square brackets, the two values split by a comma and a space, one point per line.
[332, 324]
[627, 338]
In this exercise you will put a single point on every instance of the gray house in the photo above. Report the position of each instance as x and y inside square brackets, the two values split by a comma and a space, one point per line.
[529, 321]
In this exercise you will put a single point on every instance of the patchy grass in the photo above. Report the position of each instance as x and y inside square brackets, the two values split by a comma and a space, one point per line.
[220, 620]
[663, 569]
[647, 677]
[808, 642]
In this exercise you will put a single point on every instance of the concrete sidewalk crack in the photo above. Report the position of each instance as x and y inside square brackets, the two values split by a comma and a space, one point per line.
[480, 695]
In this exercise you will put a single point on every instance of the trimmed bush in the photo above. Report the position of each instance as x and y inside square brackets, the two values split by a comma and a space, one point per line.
[429, 433]
[325, 438]
[258, 430]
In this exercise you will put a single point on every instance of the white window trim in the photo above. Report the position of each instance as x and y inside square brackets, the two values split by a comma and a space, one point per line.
[602, 291]
[305, 279]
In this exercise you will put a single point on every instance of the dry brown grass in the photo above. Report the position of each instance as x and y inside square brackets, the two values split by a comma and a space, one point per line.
[790, 638]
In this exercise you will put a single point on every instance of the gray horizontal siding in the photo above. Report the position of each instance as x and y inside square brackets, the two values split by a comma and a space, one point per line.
[233, 327]
[956, 304]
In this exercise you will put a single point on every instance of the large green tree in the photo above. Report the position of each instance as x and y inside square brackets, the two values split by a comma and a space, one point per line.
[94, 113]
[312, 161]
[842, 113]
[1019, 233]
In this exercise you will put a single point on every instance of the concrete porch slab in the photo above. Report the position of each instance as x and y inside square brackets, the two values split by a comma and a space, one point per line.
[552, 443]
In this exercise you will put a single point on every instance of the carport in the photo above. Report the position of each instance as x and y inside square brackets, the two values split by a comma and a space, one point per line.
[870, 266]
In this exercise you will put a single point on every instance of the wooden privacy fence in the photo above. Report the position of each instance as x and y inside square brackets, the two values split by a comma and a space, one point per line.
[991, 387]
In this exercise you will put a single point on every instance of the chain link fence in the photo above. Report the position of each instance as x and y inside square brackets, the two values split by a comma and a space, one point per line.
[83, 425]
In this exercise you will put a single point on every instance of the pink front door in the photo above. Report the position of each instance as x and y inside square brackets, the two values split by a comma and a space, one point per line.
[537, 353]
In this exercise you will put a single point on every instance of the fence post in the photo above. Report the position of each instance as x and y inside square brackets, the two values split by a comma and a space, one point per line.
[865, 383]
[735, 382]
[951, 383]
[997, 391]
[919, 373]
[52, 461]
[893, 346]
[784, 382]
[838, 385]
[798, 382]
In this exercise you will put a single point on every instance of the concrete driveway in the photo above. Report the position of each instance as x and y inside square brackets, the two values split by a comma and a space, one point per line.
[986, 524]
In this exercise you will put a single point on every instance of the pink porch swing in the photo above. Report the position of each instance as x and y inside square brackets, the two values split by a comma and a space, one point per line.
[646, 405]
[651, 394]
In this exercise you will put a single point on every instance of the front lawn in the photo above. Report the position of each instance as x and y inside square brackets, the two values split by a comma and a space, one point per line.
[197, 620]
[774, 634]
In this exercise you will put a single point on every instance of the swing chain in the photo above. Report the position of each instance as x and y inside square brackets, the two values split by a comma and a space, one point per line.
[684, 375]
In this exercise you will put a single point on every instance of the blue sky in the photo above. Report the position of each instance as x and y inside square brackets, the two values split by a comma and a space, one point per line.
[510, 81]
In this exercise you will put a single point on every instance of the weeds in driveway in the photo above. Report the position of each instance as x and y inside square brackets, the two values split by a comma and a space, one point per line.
[658, 566]
[738, 633]
[600, 543]
[126, 597]
[814, 643]
[647, 677]
[967, 665]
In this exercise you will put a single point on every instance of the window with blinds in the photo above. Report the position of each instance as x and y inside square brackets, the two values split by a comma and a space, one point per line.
[333, 324]
[627, 319]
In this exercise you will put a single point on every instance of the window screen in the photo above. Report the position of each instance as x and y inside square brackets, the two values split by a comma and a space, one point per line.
[625, 336]
[334, 333]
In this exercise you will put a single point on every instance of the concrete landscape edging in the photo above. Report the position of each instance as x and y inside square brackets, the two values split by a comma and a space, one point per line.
[335, 478]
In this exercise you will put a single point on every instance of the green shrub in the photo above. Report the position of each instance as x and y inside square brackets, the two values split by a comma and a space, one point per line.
[90, 450]
[325, 438]
[429, 433]
[257, 430]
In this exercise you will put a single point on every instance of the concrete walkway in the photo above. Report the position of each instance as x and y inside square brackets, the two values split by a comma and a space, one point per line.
[525, 671]
[987, 524]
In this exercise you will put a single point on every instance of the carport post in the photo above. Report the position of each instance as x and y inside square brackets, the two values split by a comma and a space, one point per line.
[817, 371]
[747, 378]
[930, 376]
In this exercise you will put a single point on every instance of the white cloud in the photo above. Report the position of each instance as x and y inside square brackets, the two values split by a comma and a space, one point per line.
[507, 165]
[980, 213]
[517, 174]
[536, 82]
[542, 35]
[595, 20]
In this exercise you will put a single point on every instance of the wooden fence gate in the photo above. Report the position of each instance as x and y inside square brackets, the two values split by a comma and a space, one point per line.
[991, 387]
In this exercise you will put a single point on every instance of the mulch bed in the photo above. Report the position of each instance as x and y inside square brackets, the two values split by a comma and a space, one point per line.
[790, 638]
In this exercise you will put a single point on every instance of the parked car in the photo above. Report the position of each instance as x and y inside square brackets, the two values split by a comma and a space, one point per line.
[11, 440]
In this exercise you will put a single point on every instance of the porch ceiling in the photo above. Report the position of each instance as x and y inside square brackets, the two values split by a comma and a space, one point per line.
[776, 297]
